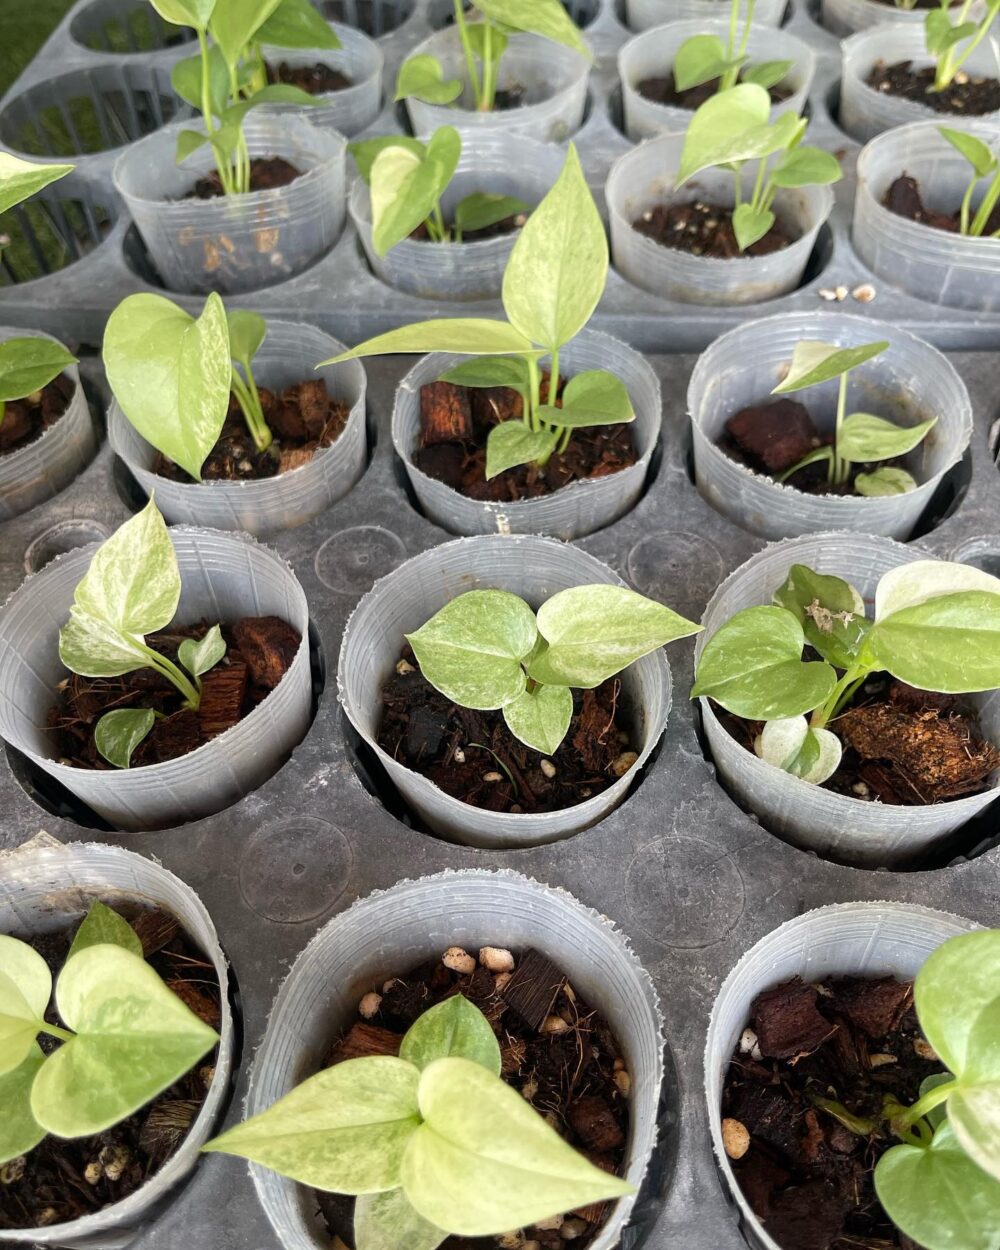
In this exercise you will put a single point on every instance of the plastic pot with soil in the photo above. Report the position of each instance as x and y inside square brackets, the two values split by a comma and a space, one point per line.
[384, 956]
[653, 105]
[907, 209]
[198, 692]
[201, 240]
[844, 17]
[646, 204]
[464, 772]
[896, 768]
[645, 14]
[46, 890]
[748, 440]
[887, 78]
[812, 1030]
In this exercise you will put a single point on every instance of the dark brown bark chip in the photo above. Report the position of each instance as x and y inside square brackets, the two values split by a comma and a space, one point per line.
[223, 691]
[24, 420]
[774, 435]
[874, 1007]
[806, 1217]
[787, 1023]
[173, 736]
[904, 198]
[269, 645]
[707, 230]
[967, 95]
[595, 1124]
[363, 1040]
[445, 413]
[533, 987]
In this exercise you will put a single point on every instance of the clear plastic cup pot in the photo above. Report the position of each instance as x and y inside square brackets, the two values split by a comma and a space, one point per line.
[570, 512]
[534, 568]
[351, 109]
[908, 383]
[388, 933]
[236, 243]
[854, 831]
[645, 178]
[934, 265]
[45, 887]
[41, 469]
[491, 160]
[844, 17]
[644, 14]
[290, 354]
[223, 578]
[651, 55]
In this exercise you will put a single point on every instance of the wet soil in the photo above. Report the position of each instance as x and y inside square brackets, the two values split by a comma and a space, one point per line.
[852, 1041]
[474, 757]
[902, 746]
[64, 1180]
[318, 79]
[662, 89]
[259, 651]
[24, 420]
[707, 230]
[575, 1076]
[303, 420]
[968, 95]
[266, 173]
[455, 422]
[905, 200]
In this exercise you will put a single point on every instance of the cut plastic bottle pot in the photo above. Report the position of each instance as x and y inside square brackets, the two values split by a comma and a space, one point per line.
[40, 470]
[552, 78]
[934, 265]
[351, 109]
[844, 17]
[853, 831]
[646, 177]
[652, 54]
[236, 243]
[46, 887]
[643, 14]
[491, 161]
[387, 934]
[570, 512]
[843, 940]
[223, 578]
[908, 383]
[290, 354]
[534, 568]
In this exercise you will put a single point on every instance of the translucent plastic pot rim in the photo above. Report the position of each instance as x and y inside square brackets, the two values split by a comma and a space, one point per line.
[44, 885]
[388, 932]
[401, 602]
[909, 382]
[642, 14]
[864, 834]
[843, 17]
[574, 510]
[351, 109]
[289, 354]
[843, 939]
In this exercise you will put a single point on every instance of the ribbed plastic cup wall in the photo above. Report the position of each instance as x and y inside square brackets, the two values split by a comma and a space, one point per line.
[643, 14]
[844, 17]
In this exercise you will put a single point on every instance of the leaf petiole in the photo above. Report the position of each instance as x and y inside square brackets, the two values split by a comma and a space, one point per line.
[54, 1030]
[173, 674]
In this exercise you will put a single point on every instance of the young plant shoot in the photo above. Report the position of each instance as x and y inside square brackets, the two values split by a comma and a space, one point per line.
[985, 164]
[433, 1142]
[552, 284]
[484, 31]
[27, 365]
[859, 437]
[407, 180]
[124, 1037]
[936, 627]
[945, 28]
[731, 129]
[703, 58]
[173, 374]
[228, 76]
[488, 650]
[131, 589]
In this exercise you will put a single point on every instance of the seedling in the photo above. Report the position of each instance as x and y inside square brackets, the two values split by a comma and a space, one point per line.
[27, 365]
[985, 164]
[704, 57]
[125, 1037]
[731, 129]
[553, 281]
[488, 650]
[433, 1143]
[132, 588]
[936, 627]
[859, 437]
[942, 37]
[484, 33]
[172, 373]
[228, 77]
[408, 179]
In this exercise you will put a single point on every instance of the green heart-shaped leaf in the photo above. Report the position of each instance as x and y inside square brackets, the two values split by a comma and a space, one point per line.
[512, 443]
[102, 926]
[28, 364]
[19, 1130]
[25, 989]
[455, 1028]
[388, 1221]
[19, 180]
[541, 717]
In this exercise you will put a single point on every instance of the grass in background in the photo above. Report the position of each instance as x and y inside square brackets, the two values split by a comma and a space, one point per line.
[24, 27]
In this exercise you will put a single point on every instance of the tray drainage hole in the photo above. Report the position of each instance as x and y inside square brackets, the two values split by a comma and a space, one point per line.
[49, 233]
[374, 17]
[121, 27]
[62, 537]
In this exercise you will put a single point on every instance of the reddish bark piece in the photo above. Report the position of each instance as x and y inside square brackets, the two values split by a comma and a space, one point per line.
[874, 1007]
[787, 1022]
[775, 435]
[223, 689]
[268, 645]
[595, 1124]
[363, 1040]
[445, 413]
[205, 1008]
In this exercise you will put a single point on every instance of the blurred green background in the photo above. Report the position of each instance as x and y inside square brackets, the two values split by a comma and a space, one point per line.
[24, 27]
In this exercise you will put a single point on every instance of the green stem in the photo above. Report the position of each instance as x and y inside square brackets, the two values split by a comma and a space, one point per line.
[963, 223]
[173, 674]
[951, 62]
[563, 443]
[758, 186]
[737, 190]
[841, 692]
[986, 207]
[535, 396]
[252, 409]
[933, 1098]
[489, 70]
[470, 56]
[54, 1030]
[553, 393]
[206, 92]
[838, 467]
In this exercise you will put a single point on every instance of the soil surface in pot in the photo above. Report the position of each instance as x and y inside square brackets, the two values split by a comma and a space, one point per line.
[849, 1041]
[474, 757]
[64, 1180]
[266, 174]
[901, 746]
[455, 422]
[303, 419]
[259, 651]
[904, 198]
[26, 419]
[771, 436]
[556, 1051]
[317, 79]
[500, 228]
[662, 89]
[707, 230]
[968, 95]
